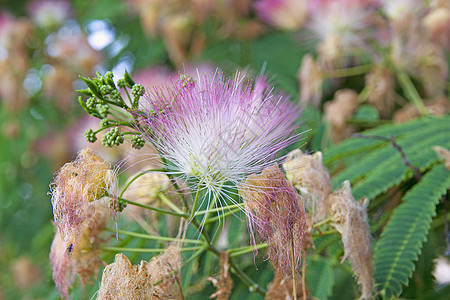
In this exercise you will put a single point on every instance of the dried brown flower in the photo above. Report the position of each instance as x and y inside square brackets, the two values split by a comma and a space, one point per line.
[276, 211]
[311, 79]
[350, 219]
[308, 174]
[78, 184]
[281, 288]
[225, 283]
[156, 279]
[80, 256]
[380, 84]
[338, 111]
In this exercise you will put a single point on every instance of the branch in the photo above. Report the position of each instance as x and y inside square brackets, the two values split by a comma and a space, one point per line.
[394, 144]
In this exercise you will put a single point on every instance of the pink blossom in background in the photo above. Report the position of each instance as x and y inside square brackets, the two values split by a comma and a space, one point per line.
[342, 25]
[284, 14]
[49, 13]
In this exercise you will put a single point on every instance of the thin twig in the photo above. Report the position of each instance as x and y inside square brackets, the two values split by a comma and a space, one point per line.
[391, 139]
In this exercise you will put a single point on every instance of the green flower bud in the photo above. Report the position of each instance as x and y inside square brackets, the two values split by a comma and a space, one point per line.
[112, 137]
[90, 103]
[105, 89]
[137, 142]
[104, 123]
[90, 136]
[121, 83]
[103, 110]
[138, 90]
[114, 95]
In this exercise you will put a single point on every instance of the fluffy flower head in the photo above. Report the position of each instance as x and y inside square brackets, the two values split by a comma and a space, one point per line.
[215, 132]
[76, 186]
[276, 210]
[341, 24]
[285, 14]
[49, 13]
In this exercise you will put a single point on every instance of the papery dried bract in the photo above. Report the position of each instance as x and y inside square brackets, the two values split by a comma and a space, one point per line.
[338, 111]
[76, 186]
[350, 219]
[284, 14]
[225, 283]
[80, 256]
[280, 288]
[311, 79]
[308, 174]
[277, 213]
[122, 280]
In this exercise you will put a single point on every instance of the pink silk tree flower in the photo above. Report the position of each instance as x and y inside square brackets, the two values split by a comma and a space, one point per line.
[49, 13]
[213, 132]
[342, 26]
[284, 14]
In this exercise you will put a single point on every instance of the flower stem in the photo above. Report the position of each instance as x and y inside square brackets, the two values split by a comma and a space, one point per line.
[333, 231]
[253, 286]
[294, 283]
[201, 212]
[411, 92]
[323, 222]
[169, 203]
[154, 237]
[243, 250]
[160, 210]
[142, 250]
[230, 212]
[353, 71]
[194, 207]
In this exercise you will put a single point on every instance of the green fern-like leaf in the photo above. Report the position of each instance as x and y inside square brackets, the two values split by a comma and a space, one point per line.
[320, 276]
[354, 146]
[416, 140]
[401, 241]
[392, 171]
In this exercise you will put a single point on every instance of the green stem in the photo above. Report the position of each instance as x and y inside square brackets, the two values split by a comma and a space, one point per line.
[325, 233]
[247, 249]
[160, 210]
[323, 222]
[142, 250]
[201, 212]
[294, 284]
[411, 92]
[353, 71]
[169, 203]
[253, 286]
[194, 207]
[154, 237]
[226, 214]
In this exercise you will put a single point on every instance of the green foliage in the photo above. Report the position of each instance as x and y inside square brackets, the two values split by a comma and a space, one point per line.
[401, 241]
[382, 167]
[320, 277]
[356, 146]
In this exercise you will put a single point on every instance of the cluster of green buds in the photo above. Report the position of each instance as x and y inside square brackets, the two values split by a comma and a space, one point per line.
[90, 136]
[104, 100]
[137, 142]
[112, 137]
[118, 205]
